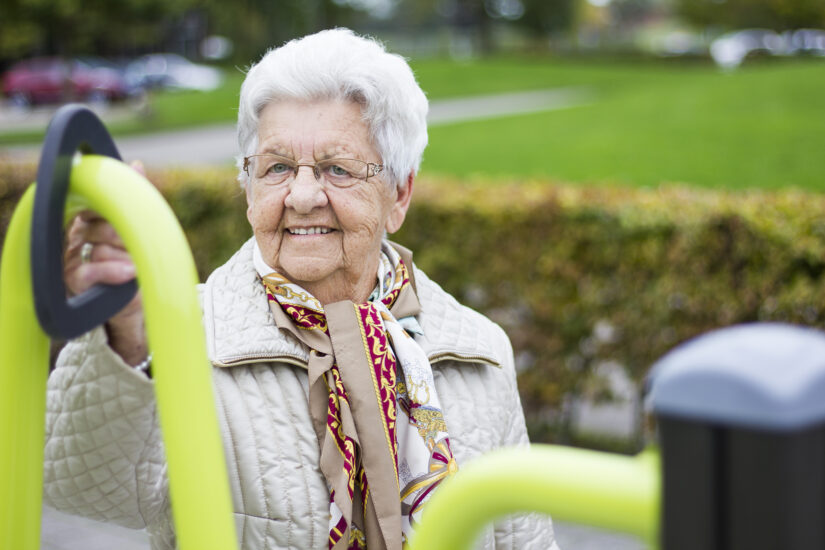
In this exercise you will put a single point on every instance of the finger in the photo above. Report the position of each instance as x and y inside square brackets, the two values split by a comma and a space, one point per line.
[109, 272]
[78, 231]
[101, 231]
[72, 253]
[89, 215]
[94, 231]
[75, 231]
[101, 252]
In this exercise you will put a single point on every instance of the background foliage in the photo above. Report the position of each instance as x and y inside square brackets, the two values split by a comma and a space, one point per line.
[778, 15]
[575, 275]
[131, 27]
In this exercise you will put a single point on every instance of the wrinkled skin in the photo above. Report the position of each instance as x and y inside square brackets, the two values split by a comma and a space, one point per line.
[340, 264]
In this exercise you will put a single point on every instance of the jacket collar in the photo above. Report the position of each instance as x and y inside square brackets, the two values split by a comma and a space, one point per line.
[240, 327]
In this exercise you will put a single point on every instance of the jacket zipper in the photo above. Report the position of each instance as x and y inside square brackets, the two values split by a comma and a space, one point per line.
[299, 361]
[296, 360]
[461, 358]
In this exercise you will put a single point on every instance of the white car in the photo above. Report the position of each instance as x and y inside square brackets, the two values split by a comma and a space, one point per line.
[168, 70]
[730, 50]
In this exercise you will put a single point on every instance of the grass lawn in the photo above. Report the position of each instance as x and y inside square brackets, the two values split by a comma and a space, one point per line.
[188, 108]
[762, 126]
[648, 122]
[442, 78]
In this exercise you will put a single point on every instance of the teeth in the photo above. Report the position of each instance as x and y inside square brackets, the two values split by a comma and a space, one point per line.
[310, 230]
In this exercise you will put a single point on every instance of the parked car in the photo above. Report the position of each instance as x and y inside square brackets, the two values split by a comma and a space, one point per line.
[55, 80]
[166, 70]
[806, 41]
[731, 49]
[103, 70]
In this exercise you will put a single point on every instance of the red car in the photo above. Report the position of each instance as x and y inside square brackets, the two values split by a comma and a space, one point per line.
[56, 80]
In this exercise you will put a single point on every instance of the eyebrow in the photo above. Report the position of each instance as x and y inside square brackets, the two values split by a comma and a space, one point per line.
[338, 151]
[280, 151]
[322, 157]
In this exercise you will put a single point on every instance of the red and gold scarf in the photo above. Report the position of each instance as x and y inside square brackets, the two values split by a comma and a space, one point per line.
[384, 442]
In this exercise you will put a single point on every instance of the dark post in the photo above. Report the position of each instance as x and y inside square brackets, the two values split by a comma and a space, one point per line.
[741, 419]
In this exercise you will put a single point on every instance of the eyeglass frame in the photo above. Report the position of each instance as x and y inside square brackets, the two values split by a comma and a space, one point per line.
[374, 166]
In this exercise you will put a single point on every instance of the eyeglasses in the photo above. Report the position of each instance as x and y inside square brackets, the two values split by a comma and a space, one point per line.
[272, 169]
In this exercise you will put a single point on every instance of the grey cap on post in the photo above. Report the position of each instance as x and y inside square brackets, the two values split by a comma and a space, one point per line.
[768, 376]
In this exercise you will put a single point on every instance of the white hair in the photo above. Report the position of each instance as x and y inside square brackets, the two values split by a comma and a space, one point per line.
[338, 64]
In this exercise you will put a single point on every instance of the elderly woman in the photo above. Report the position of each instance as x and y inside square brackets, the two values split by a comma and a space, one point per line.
[348, 384]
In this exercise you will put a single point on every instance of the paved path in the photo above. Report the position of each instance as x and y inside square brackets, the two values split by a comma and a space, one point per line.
[64, 532]
[215, 145]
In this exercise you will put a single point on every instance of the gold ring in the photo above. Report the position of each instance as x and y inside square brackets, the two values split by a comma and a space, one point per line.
[86, 253]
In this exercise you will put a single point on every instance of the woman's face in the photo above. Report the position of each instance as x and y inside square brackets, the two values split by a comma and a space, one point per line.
[323, 238]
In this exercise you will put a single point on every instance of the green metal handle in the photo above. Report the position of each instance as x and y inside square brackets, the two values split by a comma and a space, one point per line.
[599, 489]
[24, 360]
[198, 480]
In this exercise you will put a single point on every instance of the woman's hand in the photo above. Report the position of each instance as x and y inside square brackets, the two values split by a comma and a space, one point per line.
[108, 263]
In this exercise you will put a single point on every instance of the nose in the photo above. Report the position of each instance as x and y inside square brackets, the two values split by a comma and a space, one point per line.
[305, 192]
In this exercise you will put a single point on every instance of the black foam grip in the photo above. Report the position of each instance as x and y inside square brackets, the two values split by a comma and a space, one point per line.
[73, 128]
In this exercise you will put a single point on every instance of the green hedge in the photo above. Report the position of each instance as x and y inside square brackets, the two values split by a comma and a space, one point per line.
[576, 275]
[581, 275]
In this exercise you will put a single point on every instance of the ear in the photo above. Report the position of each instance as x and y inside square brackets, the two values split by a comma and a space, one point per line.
[403, 195]
[248, 189]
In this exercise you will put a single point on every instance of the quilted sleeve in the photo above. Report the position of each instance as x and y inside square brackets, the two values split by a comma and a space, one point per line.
[104, 455]
[526, 531]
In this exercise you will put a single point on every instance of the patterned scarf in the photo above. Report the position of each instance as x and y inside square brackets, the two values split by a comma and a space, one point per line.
[384, 442]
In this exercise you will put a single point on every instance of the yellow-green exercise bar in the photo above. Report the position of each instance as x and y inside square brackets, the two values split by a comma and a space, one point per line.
[600, 489]
[166, 274]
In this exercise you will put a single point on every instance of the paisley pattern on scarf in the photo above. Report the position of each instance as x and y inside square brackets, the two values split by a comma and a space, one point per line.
[412, 423]
[383, 364]
[344, 444]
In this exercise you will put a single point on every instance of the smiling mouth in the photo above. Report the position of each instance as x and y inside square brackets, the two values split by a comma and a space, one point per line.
[309, 230]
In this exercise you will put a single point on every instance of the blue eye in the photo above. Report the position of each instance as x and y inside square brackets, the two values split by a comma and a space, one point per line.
[279, 168]
[336, 170]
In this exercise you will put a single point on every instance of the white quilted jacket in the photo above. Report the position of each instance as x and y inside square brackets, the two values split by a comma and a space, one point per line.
[104, 456]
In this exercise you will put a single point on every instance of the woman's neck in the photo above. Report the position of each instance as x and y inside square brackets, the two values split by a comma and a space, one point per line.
[340, 287]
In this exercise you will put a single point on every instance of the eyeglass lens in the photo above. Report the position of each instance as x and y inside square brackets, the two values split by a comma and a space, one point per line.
[274, 169]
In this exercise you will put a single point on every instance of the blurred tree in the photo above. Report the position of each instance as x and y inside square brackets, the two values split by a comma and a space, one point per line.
[128, 27]
[476, 21]
[467, 19]
[549, 17]
[778, 15]
[257, 25]
[625, 12]
[69, 27]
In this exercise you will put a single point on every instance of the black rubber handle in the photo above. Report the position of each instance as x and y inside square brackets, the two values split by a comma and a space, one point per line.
[73, 128]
